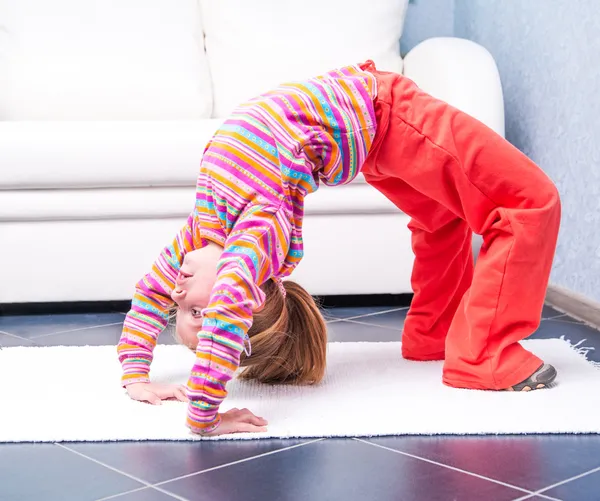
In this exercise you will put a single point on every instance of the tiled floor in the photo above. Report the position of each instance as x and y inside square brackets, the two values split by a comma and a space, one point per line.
[392, 468]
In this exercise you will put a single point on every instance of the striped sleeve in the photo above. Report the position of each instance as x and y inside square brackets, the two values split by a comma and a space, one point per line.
[253, 253]
[150, 307]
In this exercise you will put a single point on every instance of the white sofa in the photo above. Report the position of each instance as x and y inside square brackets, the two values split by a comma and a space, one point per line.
[106, 106]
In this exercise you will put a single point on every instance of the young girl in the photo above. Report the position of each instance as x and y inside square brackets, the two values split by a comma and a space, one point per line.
[451, 174]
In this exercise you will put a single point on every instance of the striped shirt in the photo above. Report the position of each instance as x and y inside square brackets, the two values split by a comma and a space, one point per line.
[254, 175]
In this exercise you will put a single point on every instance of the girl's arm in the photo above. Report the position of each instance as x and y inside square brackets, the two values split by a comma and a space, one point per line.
[254, 252]
[150, 307]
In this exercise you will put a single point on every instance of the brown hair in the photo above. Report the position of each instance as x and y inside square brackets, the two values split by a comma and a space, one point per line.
[288, 338]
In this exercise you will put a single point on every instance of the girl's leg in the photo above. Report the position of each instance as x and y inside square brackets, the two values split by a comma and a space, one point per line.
[505, 301]
[442, 273]
[479, 177]
[442, 270]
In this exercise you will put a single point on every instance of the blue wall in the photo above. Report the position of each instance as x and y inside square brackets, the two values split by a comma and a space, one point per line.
[427, 19]
[548, 54]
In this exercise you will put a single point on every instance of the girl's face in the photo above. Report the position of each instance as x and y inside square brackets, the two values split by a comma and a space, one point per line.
[193, 287]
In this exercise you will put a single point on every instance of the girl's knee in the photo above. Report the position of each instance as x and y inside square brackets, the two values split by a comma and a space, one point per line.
[550, 210]
[554, 202]
[548, 198]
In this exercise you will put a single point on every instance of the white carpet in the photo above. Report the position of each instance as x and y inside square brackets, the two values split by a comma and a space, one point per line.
[73, 393]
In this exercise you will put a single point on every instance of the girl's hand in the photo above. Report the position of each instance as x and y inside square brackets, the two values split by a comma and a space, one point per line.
[156, 392]
[239, 421]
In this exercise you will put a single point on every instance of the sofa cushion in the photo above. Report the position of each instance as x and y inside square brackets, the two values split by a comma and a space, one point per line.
[47, 154]
[253, 46]
[161, 203]
[102, 60]
[41, 155]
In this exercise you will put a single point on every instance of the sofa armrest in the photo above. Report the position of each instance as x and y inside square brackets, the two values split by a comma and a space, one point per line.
[462, 73]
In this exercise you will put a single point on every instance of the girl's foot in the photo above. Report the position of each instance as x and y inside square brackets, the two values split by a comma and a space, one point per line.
[541, 378]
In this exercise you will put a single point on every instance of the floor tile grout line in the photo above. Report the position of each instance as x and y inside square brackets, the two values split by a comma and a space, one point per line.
[238, 462]
[568, 480]
[357, 317]
[15, 336]
[355, 321]
[171, 494]
[116, 496]
[536, 496]
[576, 322]
[482, 477]
[571, 320]
[146, 484]
[555, 316]
[74, 330]
[564, 320]
[156, 485]
[139, 489]
[374, 325]
[376, 313]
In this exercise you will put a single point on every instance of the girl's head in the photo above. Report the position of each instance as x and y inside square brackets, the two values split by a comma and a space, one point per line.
[288, 334]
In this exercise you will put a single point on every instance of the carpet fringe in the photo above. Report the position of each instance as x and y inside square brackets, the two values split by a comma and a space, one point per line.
[582, 350]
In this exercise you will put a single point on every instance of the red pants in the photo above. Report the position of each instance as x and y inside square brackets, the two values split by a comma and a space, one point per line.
[453, 176]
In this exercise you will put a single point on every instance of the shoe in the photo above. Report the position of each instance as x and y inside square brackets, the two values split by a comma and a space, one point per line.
[541, 378]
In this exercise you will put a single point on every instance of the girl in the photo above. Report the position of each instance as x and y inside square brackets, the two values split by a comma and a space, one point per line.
[446, 170]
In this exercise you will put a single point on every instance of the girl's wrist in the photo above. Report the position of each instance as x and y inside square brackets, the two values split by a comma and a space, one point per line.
[206, 428]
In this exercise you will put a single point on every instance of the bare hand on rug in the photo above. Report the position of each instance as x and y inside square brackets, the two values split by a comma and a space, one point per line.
[239, 421]
[154, 393]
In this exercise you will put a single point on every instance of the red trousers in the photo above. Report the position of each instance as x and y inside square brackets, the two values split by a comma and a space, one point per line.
[453, 176]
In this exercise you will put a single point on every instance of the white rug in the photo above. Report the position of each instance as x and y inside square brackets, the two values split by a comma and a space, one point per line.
[73, 393]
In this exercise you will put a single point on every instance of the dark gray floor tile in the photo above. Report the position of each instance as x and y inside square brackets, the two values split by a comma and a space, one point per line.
[338, 470]
[549, 312]
[583, 489]
[94, 336]
[390, 320]
[148, 494]
[158, 461]
[31, 326]
[49, 472]
[6, 341]
[528, 461]
[354, 311]
[574, 332]
[354, 331]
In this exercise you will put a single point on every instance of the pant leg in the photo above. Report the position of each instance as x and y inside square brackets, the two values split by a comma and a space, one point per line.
[502, 195]
[505, 301]
[442, 273]
[442, 270]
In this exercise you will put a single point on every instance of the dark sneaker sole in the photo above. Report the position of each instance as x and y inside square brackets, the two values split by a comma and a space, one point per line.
[541, 378]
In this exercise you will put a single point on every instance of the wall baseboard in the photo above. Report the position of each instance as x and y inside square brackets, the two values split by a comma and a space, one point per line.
[576, 305]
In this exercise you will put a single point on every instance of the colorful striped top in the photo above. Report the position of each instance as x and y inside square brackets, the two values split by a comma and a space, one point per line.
[254, 175]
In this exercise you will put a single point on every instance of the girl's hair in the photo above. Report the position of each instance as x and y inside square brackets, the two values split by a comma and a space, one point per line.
[288, 338]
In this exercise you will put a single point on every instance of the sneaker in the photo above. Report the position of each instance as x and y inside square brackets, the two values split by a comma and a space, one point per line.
[541, 378]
